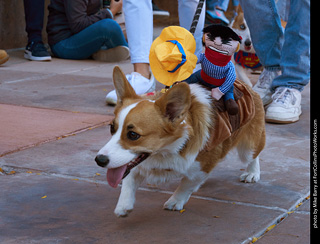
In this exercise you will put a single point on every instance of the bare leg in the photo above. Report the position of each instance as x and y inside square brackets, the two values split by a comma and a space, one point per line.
[143, 69]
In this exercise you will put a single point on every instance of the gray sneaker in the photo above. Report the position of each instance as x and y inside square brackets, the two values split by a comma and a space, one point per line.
[285, 107]
[263, 86]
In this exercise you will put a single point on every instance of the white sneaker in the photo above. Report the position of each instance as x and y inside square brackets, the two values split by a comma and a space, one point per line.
[263, 86]
[285, 107]
[115, 54]
[140, 84]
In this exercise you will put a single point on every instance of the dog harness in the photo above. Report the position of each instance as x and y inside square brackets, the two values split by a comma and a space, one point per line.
[247, 60]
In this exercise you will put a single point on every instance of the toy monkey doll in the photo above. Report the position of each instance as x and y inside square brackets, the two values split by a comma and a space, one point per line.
[217, 71]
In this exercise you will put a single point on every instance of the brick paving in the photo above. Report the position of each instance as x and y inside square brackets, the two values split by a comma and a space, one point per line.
[53, 121]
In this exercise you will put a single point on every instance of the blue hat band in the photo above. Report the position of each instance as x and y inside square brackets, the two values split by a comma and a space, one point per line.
[183, 55]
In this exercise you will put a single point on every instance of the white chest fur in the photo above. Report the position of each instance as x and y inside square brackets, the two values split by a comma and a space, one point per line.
[161, 168]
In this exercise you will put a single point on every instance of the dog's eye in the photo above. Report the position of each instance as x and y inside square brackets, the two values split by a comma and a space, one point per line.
[133, 136]
[242, 27]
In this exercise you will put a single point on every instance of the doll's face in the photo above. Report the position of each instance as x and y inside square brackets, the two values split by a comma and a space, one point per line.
[224, 46]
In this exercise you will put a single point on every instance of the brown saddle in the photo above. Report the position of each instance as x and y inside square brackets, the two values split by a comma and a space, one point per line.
[226, 124]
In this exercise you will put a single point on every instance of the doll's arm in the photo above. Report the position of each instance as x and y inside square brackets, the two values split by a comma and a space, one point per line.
[218, 92]
[200, 58]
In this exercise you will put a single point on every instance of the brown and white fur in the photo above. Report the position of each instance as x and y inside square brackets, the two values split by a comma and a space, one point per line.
[239, 25]
[173, 129]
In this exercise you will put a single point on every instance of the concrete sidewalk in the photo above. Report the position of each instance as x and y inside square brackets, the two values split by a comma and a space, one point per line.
[53, 121]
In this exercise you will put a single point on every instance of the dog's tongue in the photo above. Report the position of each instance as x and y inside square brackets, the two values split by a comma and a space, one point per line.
[114, 176]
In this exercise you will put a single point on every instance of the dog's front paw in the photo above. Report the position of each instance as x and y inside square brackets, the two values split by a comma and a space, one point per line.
[122, 212]
[249, 177]
[173, 204]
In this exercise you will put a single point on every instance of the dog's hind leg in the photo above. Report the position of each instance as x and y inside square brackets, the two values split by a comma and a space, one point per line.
[128, 191]
[189, 184]
[252, 173]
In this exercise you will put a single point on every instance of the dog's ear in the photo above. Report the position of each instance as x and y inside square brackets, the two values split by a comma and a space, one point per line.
[123, 88]
[175, 103]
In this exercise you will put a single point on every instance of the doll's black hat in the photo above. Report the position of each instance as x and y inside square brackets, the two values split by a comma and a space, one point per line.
[222, 31]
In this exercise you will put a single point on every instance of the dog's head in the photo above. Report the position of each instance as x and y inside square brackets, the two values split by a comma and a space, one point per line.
[142, 127]
[239, 25]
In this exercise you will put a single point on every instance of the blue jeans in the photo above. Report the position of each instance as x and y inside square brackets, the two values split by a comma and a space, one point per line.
[278, 49]
[104, 33]
[196, 78]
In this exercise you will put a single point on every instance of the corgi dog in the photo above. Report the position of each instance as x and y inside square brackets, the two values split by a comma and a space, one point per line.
[246, 58]
[161, 137]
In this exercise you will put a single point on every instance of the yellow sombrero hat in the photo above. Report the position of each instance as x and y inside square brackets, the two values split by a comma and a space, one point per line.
[172, 55]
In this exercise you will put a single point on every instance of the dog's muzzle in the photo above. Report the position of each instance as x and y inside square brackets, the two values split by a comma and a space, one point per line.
[102, 160]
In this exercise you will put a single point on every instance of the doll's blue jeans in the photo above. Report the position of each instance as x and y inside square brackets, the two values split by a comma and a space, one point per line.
[278, 49]
[105, 33]
[196, 78]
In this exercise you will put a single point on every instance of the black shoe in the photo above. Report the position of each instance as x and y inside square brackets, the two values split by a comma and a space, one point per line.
[36, 51]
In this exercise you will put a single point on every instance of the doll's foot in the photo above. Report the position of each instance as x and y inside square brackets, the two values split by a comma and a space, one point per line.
[232, 107]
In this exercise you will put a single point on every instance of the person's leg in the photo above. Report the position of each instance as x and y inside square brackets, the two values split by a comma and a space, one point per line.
[267, 37]
[295, 66]
[215, 10]
[266, 30]
[34, 13]
[224, 5]
[211, 4]
[82, 45]
[295, 55]
[139, 26]
[186, 9]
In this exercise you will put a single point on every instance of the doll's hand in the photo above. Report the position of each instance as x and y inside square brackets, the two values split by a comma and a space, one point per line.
[216, 93]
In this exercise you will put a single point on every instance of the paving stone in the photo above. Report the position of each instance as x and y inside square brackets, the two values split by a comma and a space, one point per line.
[24, 126]
[63, 92]
[58, 91]
[46, 209]
[295, 229]
[73, 155]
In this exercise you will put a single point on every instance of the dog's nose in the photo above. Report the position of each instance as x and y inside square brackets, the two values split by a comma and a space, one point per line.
[247, 43]
[102, 160]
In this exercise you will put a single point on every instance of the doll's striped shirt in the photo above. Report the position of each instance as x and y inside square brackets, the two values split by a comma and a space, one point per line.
[219, 72]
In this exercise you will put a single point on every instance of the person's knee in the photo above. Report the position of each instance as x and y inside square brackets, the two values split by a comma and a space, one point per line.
[108, 27]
